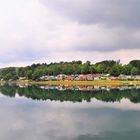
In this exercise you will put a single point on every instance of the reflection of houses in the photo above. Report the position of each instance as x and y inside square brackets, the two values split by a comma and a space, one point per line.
[48, 87]
[87, 88]
[82, 88]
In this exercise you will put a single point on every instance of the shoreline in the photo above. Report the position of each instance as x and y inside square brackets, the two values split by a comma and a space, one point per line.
[88, 83]
[78, 83]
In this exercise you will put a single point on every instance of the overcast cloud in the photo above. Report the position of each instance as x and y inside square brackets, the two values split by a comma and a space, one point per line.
[54, 30]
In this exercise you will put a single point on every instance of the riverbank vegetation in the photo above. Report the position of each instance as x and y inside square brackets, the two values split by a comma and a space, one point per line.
[35, 71]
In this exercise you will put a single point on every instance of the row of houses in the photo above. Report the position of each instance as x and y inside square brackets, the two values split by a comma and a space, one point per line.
[88, 77]
[71, 77]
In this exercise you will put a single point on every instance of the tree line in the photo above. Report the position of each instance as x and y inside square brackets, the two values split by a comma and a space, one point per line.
[35, 71]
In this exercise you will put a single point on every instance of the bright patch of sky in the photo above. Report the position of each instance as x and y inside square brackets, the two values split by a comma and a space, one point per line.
[35, 31]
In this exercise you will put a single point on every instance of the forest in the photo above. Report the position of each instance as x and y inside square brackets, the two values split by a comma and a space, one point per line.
[35, 71]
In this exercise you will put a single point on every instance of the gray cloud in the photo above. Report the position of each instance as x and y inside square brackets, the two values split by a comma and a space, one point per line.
[112, 40]
[38, 30]
[106, 12]
[103, 25]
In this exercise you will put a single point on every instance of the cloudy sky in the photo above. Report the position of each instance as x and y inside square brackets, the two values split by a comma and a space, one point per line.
[33, 31]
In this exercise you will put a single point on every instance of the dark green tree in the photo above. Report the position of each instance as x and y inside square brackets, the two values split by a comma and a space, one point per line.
[116, 70]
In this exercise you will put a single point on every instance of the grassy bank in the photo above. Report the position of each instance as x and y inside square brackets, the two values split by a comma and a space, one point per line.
[86, 83]
[77, 83]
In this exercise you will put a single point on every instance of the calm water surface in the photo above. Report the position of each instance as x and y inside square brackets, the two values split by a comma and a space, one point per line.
[58, 113]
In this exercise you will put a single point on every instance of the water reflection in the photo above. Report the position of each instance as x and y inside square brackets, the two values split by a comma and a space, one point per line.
[74, 94]
[28, 119]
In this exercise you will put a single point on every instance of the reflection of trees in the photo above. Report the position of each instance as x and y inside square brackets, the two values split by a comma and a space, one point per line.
[8, 90]
[37, 93]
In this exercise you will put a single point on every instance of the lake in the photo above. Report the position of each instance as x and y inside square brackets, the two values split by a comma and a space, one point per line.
[69, 113]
